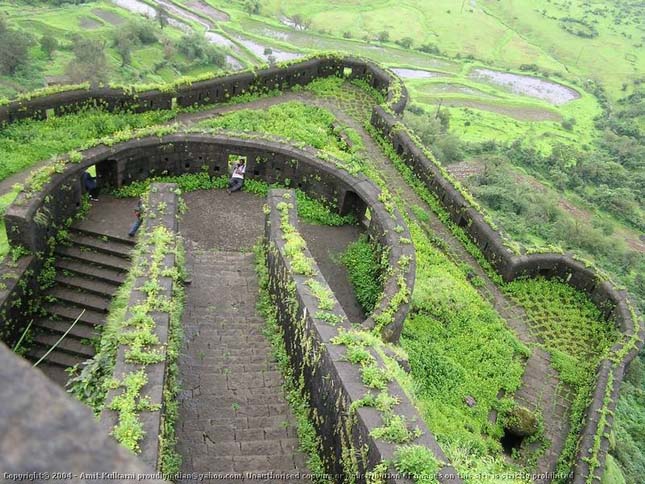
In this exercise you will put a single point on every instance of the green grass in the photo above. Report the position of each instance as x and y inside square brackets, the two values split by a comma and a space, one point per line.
[364, 269]
[444, 338]
[481, 112]
[564, 318]
[505, 34]
[27, 142]
[628, 443]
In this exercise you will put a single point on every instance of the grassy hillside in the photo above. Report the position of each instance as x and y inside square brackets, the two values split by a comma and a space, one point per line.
[596, 40]
[153, 57]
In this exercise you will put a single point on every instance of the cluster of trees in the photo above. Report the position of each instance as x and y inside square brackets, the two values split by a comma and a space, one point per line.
[433, 129]
[91, 54]
[14, 48]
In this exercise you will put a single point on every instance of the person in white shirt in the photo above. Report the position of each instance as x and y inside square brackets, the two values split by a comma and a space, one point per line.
[237, 178]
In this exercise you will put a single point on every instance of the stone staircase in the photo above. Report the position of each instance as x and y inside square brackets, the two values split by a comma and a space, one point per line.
[88, 272]
[233, 415]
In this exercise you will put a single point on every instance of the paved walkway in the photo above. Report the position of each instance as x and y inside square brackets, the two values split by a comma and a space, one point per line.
[233, 415]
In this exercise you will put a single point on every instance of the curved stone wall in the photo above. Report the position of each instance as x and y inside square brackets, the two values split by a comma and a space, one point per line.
[332, 385]
[613, 302]
[215, 90]
[270, 161]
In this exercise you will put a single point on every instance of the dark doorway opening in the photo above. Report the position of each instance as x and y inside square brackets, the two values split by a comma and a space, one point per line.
[511, 441]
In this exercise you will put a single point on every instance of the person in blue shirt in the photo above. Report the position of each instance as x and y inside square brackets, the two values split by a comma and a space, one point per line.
[138, 212]
[91, 187]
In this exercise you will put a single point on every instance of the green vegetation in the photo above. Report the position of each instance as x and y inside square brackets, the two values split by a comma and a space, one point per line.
[574, 332]
[628, 444]
[417, 461]
[137, 334]
[443, 338]
[28, 142]
[95, 41]
[573, 181]
[364, 268]
[308, 125]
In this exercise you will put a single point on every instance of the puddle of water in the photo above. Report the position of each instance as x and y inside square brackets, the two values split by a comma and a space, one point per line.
[219, 40]
[210, 11]
[404, 73]
[552, 92]
[258, 50]
[136, 7]
[454, 89]
[275, 34]
[146, 10]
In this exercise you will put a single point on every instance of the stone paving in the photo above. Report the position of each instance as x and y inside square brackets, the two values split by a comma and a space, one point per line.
[233, 417]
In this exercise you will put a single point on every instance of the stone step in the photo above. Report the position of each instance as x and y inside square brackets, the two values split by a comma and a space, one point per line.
[79, 229]
[56, 357]
[110, 276]
[101, 244]
[54, 372]
[80, 330]
[60, 311]
[97, 258]
[99, 288]
[68, 344]
[80, 299]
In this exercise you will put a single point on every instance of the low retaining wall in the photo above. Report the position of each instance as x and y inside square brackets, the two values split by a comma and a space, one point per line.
[267, 160]
[209, 91]
[18, 289]
[161, 212]
[332, 385]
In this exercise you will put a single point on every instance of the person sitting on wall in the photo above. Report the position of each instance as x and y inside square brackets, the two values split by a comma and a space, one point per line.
[138, 212]
[237, 178]
[91, 187]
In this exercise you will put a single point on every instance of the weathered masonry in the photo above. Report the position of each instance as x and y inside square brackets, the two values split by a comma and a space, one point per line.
[613, 302]
[332, 384]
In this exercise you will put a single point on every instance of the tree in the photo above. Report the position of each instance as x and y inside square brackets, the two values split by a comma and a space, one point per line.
[383, 36]
[14, 48]
[300, 23]
[123, 45]
[90, 61]
[405, 42]
[48, 44]
[162, 15]
[252, 6]
[196, 48]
